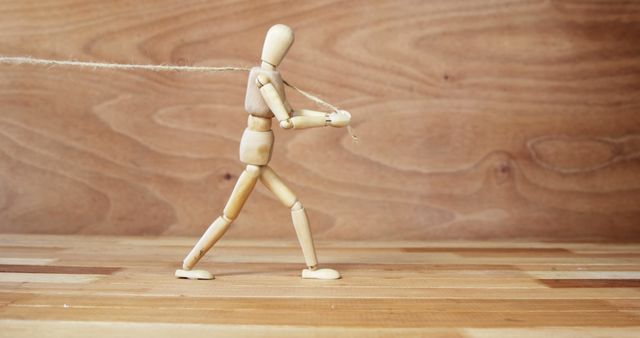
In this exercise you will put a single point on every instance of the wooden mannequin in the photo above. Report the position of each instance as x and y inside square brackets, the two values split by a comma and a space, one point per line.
[265, 99]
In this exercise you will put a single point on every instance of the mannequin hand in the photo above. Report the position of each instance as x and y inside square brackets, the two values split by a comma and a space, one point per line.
[286, 124]
[341, 118]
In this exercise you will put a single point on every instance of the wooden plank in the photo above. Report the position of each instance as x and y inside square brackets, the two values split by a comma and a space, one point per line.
[315, 318]
[94, 270]
[25, 261]
[325, 312]
[13, 277]
[611, 275]
[323, 304]
[558, 332]
[73, 329]
[592, 283]
[496, 119]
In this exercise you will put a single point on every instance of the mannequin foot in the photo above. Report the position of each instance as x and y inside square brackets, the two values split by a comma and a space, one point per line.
[193, 274]
[320, 274]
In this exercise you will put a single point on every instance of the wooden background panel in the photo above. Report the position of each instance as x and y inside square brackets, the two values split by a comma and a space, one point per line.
[493, 119]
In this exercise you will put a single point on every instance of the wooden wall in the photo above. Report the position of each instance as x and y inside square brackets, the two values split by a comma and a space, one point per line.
[478, 119]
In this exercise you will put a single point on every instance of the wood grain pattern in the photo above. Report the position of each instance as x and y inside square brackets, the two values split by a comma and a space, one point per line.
[258, 291]
[477, 120]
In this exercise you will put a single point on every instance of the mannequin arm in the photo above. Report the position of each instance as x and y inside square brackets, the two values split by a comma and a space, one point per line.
[273, 100]
[305, 118]
[309, 112]
[301, 119]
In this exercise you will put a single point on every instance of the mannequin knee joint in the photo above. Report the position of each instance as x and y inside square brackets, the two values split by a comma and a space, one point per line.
[297, 206]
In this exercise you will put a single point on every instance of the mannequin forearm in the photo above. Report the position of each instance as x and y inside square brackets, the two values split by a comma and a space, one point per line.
[309, 112]
[303, 122]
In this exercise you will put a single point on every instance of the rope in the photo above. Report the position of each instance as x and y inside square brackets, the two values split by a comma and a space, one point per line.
[26, 60]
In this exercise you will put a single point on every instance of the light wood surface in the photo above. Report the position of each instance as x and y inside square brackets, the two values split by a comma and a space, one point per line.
[76, 286]
[477, 119]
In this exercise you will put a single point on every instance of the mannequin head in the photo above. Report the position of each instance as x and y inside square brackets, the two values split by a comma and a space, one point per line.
[276, 45]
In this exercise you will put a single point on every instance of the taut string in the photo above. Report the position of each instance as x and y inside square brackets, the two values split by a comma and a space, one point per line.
[26, 60]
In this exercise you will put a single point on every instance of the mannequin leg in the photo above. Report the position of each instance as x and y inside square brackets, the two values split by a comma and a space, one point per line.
[245, 184]
[300, 223]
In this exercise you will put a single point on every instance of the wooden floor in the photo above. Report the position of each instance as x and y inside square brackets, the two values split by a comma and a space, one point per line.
[73, 286]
